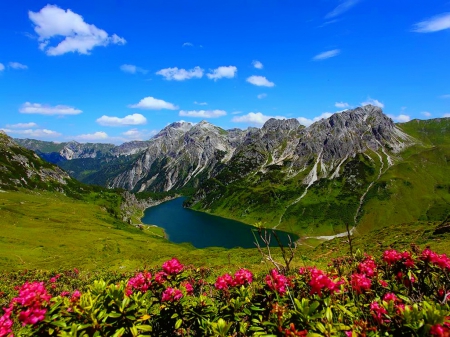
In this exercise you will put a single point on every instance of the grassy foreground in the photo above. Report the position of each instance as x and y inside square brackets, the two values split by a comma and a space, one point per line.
[47, 230]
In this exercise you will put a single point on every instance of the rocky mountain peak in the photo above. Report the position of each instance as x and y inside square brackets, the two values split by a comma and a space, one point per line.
[281, 124]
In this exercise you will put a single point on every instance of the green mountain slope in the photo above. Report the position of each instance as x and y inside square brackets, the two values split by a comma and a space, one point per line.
[371, 190]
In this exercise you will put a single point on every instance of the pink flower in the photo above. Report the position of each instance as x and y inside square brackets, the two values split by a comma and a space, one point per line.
[277, 282]
[160, 277]
[32, 299]
[140, 282]
[441, 261]
[171, 295]
[377, 312]
[320, 281]
[172, 267]
[76, 271]
[243, 276]
[224, 281]
[368, 267]
[383, 283]
[188, 287]
[64, 294]
[391, 256]
[75, 296]
[6, 323]
[390, 297]
[439, 330]
[360, 283]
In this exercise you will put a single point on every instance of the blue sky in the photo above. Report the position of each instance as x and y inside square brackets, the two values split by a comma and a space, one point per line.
[117, 70]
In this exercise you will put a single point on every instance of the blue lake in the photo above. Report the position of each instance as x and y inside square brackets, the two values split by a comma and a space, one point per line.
[202, 229]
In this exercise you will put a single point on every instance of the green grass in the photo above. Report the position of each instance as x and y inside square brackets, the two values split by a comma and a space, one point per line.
[46, 230]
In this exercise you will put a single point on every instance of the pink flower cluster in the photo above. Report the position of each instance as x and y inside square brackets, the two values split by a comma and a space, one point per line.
[378, 312]
[440, 331]
[277, 282]
[171, 295]
[443, 261]
[172, 267]
[6, 323]
[32, 300]
[360, 283]
[160, 277]
[140, 282]
[368, 267]
[392, 256]
[320, 281]
[241, 277]
[188, 287]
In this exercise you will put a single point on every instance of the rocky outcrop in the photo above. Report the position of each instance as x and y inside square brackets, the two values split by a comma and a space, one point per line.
[23, 168]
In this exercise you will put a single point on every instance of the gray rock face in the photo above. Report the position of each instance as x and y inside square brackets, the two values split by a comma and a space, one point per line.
[183, 153]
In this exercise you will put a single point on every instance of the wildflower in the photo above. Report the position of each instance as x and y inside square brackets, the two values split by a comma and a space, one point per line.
[277, 282]
[368, 267]
[439, 330]
[292, 331]
[171, 295]
[243, 276]
[172, 267]
[390, 297]
[360, 283]
[224, 281]
[75, 296]
[140, 282]
[377, 312]
[6, 323]
[383, 283]
[188, 287]
[160, 277]
[320, 281]
[64, 294]
[391, 256]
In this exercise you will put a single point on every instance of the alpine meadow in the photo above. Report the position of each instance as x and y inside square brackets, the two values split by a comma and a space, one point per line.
[239, 168]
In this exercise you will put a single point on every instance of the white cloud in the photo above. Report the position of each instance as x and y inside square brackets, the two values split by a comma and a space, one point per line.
[400, 118]
[236, 112]
[326, 55]
[261, 96]
[426, 113]
[135, 119]
[77, 35]
[260, 81]
[374, 102]
[34, 133]
[180, 74]
[257, 64]
[36, 108]
[135, 134]
[2, 67]
[254, 118]
[17, 65]
[307, 121]
[222, 72]
[445, 96]
[446, 115]
[434, 24]
[200, 103]
[341, 8]
[99, 135]
[22, 125]
[132, 69]
[188, 44]
[202, 113]
[151, 103]
[341, 105]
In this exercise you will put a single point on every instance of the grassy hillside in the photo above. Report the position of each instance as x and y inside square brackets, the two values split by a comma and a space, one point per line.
[45, 230]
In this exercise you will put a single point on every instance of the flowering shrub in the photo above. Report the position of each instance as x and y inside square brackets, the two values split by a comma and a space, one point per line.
[403, 293]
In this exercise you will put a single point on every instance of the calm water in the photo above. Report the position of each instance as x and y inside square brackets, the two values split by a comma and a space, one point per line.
[202, 229]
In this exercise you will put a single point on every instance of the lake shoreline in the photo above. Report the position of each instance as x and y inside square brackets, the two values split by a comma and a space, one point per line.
[203, 229]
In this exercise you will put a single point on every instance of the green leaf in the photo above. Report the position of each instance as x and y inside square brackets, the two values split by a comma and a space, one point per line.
[178, 323]
[144, 327]
[60, 324]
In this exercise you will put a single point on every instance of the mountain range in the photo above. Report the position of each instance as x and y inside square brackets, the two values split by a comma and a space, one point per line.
[356, 167]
